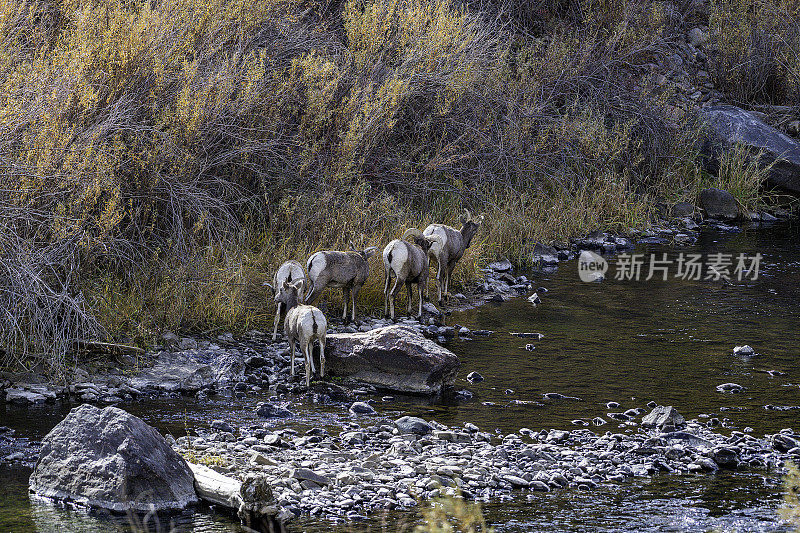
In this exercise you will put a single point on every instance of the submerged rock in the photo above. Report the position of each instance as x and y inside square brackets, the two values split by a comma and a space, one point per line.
[110, 459]
[395, 358]
[269, 410]
[474, 377]
[362, 408]
[730, 387]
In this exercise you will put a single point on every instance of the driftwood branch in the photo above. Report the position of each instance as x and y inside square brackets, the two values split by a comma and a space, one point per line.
[251, 499]
[88, 346]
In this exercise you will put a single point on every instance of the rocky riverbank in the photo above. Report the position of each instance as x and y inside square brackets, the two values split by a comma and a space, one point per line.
[381, 464]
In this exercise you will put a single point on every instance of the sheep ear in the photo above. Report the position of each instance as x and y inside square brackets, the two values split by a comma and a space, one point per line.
[479, 220]
[463, 219]
[298, 284]
[369, 252]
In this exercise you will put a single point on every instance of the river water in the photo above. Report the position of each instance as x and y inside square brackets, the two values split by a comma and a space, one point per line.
[625, 341]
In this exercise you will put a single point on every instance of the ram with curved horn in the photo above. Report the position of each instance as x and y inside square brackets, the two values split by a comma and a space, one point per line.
[290, 271]
[407, 260]
[451, 248]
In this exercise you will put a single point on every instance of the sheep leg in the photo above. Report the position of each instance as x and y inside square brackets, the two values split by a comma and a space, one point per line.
[408, 290]
[393, 296]
[440, 279]
[291, 352]
[277, 321]
[321, 357]
[386, 293]
[353, 298]
[310, 359]
[421, 289]
[450, 268]
[309, 362]
[345, 298]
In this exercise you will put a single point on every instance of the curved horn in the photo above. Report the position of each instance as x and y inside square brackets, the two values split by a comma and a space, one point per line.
[468, 213]
[434, 238]
[412, 233]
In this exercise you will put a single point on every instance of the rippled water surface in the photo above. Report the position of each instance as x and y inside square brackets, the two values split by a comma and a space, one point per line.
[624, 341]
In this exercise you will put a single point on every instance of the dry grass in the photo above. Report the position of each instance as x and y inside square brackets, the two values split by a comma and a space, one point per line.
[742, 174]
[790, 512]
[757, 50]
[451, 515]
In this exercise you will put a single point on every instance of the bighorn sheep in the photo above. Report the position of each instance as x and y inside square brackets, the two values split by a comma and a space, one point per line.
[451, 248]
[289, 271]
[347, 270]
[304, 324]
[407, 259]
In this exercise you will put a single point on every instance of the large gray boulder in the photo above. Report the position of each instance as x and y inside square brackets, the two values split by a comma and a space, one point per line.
[719, 203]
[395, 358]
[110, 459]
[728, 125]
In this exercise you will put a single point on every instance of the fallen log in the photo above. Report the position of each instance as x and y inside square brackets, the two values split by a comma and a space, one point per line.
[251, 499]
[216, 488]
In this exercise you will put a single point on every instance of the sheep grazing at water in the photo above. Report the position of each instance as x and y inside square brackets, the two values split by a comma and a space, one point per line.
[346, 270]
[451, 248]
[304, 324]
[290, 271]
[407, 260]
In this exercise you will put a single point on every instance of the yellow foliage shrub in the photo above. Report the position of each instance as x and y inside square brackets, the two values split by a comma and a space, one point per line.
[756, 45]
[190, 146]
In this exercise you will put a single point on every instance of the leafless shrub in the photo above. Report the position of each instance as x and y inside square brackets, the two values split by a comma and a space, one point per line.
[42, 311]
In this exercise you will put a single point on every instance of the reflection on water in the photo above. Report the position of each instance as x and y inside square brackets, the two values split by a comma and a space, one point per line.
[666, 341]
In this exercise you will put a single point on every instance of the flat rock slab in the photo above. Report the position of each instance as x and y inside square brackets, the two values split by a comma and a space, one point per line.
[23, 397]
[728, 125]
[190, 371]
[395, 358]
[110, 459]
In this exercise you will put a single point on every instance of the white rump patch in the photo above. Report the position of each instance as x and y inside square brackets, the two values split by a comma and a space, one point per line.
[316, 264]
[399, 253]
